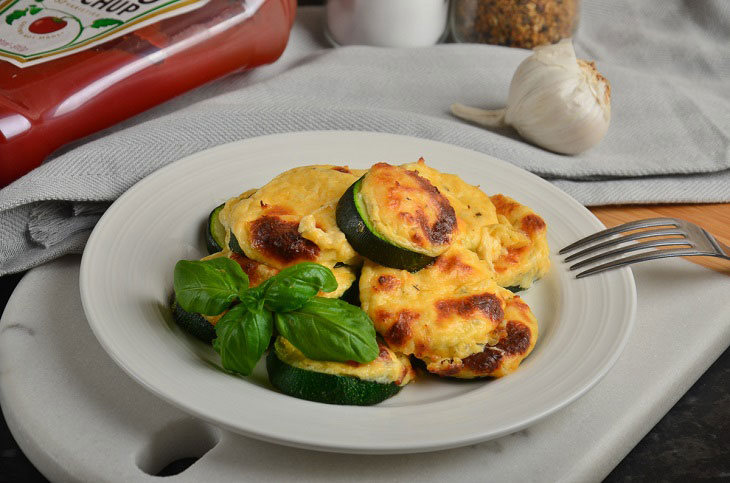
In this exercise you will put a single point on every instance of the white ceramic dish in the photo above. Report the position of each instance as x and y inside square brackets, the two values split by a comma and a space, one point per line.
[126, 279]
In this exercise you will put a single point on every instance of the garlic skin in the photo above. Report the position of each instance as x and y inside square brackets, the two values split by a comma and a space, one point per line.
[555, 100]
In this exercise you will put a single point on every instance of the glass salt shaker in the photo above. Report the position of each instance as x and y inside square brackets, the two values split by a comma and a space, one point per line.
[386, 23]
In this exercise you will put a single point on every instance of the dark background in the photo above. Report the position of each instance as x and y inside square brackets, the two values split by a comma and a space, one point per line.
[691, 443]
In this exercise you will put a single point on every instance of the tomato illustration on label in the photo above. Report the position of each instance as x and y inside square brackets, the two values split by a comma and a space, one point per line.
[46, 25]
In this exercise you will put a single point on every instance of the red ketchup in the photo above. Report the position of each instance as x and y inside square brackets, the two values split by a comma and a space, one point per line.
[46, 105]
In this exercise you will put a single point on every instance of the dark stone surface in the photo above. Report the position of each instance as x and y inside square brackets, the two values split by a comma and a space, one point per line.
[14, 466]
[692, 441]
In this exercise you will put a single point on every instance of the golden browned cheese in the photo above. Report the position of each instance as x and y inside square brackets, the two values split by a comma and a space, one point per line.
[407, 210]
[267, 223]
[387, 368]
[453, 314]
[448, 309]
[474, 210]
[517, 246]
[292, 220]
[509, 236]
[515, 338]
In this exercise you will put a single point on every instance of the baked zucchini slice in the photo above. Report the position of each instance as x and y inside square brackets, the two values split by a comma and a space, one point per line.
[234, 246]
[192, 323]
[323, 387]
[353, 221]
[215, 233]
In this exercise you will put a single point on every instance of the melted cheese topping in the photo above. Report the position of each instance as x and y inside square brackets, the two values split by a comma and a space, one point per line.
[320, 226]
[452, 314]
[345, 276]
[474, 210]
[517, 246]
[447, 309]
[513, 340]
[267, 224]
[387, 368]
[407, 210]
[508, 236]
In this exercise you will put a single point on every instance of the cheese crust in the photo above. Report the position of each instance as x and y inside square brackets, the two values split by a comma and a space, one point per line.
[407, 210]
[517, 246]
[513, 340]
[291, 220]
[267, 223]
[473, 208]
[455, 314]
[448, 309]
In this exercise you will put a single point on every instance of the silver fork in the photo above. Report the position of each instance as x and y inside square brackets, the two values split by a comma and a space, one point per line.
[694, 240]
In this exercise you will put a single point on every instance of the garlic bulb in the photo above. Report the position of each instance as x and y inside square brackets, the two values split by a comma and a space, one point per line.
[555, 100]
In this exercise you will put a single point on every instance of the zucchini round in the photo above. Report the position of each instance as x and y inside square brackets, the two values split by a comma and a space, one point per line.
[352, 220]
[325, 388]
[192, 323]
[215, 233]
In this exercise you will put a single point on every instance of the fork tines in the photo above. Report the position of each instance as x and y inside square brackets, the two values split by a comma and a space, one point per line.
[600, 241]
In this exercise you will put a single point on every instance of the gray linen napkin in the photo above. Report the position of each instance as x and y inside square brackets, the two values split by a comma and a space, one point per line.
[668, 63]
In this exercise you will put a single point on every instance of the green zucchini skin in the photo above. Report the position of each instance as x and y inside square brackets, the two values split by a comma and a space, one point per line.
[215, 234]
[192, 323]
[325, 388]
[369, 243]
[234, 246]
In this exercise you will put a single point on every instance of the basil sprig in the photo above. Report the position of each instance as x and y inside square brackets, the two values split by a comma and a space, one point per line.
[322, 328]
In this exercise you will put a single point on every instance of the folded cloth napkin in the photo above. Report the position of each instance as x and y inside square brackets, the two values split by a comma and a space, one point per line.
[667, 62]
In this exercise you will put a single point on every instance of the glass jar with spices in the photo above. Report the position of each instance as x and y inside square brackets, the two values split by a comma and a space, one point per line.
[513, 23]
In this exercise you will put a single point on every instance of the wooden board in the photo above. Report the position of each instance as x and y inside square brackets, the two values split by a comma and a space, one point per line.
[715, 218]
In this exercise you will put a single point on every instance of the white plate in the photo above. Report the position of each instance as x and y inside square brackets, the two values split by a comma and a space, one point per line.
[126, 279]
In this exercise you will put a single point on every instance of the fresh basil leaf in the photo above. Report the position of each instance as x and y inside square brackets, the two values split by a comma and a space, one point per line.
[329, 330]
[208, 287]
[292, 287]
[243, 334]
[253, 297]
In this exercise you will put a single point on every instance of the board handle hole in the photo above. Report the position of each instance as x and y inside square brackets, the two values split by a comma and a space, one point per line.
[177, 447]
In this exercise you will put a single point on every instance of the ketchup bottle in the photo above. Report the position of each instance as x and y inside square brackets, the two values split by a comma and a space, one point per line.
[46, 105]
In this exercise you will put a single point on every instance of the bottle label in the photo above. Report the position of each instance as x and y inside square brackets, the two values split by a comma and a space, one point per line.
[35, 31]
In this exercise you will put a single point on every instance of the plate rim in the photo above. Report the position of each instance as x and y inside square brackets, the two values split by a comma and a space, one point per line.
[627, 279]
